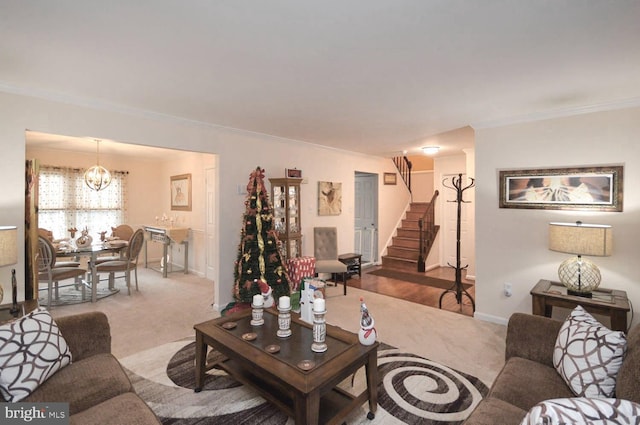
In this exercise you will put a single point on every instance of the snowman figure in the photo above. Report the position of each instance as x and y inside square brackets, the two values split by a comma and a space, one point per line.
[367, 334]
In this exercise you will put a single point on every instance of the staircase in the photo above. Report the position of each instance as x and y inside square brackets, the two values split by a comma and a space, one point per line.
[404, 251]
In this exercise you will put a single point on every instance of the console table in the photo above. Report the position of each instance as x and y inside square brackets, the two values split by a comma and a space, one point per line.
[167, 236]
[609, 302]
[24, 308]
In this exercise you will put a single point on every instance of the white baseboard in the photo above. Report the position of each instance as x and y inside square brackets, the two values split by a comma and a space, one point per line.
[490, 318]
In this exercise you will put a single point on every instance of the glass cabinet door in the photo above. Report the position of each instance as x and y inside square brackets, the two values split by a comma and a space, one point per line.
[285, 194]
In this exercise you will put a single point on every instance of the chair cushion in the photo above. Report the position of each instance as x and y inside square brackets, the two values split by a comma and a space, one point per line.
[62, 273]
[67, 264]
[330, 266]
[524, 383]
[115, 266]
[493, 411]
[32, 349]
[85, 383]
[588, 355]
[126, 408]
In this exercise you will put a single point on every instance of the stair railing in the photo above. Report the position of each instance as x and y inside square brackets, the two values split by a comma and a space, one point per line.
[404, 168]
[427, 232]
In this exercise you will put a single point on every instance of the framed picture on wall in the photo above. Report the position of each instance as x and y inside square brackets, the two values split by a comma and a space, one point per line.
[181, 192]
[390, 178]
[329, 198]
[596, 188]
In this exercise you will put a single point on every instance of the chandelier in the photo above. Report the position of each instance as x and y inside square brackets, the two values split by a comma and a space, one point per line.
[97, 177]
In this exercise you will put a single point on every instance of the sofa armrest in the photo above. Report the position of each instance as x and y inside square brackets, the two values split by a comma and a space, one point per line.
[532, 337]
[87, 334]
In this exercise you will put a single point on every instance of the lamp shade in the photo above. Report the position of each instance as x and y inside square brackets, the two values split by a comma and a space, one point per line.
[8, 245]
[581, 239]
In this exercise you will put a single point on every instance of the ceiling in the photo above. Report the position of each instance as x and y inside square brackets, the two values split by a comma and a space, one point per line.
[372, 76]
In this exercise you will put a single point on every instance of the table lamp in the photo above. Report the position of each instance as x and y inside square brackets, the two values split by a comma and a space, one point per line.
[9, 257]
[578, 274]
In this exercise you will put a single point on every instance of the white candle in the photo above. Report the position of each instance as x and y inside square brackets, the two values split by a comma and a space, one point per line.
[258, 300]
[318, 304]
[284, 302]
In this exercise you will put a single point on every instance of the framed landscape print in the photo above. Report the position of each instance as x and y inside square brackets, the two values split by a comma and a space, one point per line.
[597, 188]
[389, 178]
[181, 192]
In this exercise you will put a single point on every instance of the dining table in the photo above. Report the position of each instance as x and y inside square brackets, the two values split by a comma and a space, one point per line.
[91, 253]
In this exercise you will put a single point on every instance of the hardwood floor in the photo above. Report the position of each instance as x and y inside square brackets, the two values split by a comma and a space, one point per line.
[414, 292]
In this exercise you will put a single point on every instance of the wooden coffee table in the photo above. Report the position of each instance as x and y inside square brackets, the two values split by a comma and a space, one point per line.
[308, 394]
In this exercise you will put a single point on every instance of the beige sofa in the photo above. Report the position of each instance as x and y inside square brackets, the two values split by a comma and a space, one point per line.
[95, 385]
[528, 376]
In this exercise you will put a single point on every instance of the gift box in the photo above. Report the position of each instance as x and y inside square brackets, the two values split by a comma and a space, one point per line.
[299, 268]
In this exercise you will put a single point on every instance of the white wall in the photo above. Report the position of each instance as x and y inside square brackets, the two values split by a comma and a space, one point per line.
[239, 152]
[511, 244]
[422, 186]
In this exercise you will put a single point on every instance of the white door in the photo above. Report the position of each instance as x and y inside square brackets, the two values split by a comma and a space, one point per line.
[448, 198]
[366, 216]
[211, 229]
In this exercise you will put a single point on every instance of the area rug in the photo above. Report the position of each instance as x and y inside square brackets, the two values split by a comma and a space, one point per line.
[411, 390]
[416, 278]
[71, 295]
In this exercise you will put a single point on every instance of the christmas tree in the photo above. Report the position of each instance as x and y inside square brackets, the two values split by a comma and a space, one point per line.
[259, 259]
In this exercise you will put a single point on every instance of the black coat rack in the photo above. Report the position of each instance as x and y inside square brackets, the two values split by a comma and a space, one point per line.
[457, 288]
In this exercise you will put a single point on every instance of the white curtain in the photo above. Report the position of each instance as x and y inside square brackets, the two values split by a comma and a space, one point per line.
[65, 202]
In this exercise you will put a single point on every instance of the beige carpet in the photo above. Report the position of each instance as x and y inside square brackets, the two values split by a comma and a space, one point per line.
[165, 310]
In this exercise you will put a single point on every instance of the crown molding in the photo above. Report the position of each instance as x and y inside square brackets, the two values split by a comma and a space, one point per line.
[559, 113]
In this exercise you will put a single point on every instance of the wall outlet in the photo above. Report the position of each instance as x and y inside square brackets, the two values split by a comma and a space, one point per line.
[508, 290]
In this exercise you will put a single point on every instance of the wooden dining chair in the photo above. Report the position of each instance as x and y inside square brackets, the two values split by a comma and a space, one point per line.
[126, 264]
[49, 273]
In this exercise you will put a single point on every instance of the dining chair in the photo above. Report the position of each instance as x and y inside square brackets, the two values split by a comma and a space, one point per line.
[49, 273]
[48, 234]
[325, 250]
[122, 232]
[126, 264]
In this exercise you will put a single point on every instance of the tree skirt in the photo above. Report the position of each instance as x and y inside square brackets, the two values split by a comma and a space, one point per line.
[412, 390]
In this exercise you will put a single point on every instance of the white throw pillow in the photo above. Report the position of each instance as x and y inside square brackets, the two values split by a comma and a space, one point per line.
[593, 411]
[31, 350]
[588, 355]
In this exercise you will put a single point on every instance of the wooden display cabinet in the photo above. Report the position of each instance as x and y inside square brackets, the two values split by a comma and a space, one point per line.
[285, 195]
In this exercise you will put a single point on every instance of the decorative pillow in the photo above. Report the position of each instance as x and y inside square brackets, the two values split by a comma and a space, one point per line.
[588, 355]
[582, 410]
[31, 350]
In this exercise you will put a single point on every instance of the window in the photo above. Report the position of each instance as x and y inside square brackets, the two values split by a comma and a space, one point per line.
[65, 201]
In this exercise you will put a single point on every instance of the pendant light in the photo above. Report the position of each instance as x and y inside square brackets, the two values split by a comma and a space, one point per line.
[97, 177]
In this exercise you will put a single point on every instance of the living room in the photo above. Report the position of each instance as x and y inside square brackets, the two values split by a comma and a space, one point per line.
[566, 128]
[510, 244]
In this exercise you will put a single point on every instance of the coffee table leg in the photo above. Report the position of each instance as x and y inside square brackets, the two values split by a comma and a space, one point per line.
[307, 409]
[371, 369]
[201, 358]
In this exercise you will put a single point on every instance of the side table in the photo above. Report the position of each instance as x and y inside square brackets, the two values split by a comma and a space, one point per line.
[24, 308]
[608, 302]
[353, 262]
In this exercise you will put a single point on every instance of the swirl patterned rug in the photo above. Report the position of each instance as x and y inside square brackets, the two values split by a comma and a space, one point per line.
[412, 390]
